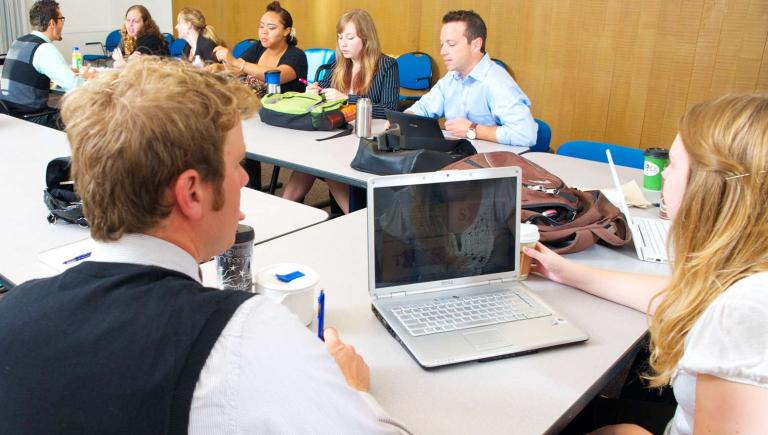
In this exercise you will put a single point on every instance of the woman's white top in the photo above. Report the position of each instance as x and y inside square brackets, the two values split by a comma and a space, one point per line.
[729, 341]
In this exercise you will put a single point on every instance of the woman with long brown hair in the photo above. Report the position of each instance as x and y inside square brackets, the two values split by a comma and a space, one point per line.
[359, 70]
[709, 324]
[140, 34]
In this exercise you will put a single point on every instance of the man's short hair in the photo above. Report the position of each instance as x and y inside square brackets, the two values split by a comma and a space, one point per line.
[42, 12]
[134, 132]
[474, 23]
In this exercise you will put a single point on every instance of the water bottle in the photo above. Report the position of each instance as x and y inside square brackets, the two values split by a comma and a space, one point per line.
[363, 118]
[77, 59]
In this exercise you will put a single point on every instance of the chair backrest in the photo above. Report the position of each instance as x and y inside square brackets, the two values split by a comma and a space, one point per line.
[168, 39]
[543, 137]
[242, 46]
[322, 71]
[415, 70]
[595, 151]
[505, 66]
[317, 57]
[177, 47]
[113, 40]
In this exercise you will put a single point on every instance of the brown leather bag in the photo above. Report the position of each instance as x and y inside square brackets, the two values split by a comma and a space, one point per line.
[569, 220]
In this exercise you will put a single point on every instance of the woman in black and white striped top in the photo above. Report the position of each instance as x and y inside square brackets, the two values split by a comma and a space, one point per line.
[384, 90]
[360, 70]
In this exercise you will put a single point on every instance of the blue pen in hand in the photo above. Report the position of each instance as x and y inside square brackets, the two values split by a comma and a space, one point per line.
[320, 315]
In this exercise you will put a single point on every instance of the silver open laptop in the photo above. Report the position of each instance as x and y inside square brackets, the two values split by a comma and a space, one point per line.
[443, 266]
[649, 235]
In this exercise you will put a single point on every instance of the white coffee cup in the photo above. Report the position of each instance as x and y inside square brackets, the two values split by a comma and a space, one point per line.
[298, 295]
[529, 235]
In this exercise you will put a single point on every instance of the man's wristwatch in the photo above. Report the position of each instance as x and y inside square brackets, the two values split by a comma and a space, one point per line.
[471, 133]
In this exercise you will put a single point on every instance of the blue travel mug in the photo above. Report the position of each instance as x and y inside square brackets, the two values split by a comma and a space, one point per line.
[272, 78]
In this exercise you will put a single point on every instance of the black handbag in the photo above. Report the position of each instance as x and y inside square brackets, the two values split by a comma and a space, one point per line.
[59, 195]
[390, 154]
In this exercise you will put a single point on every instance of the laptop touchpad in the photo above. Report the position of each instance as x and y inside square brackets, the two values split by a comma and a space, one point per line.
[487, 339]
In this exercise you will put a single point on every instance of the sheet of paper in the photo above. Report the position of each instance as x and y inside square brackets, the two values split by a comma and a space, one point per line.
[632, 194]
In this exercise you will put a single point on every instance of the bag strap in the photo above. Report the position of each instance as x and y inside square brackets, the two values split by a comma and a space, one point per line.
[346, 132]
[620, 237]
[584, 238]
[597, 232]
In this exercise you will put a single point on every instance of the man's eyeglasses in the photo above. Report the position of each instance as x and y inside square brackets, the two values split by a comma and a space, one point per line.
[61, 18]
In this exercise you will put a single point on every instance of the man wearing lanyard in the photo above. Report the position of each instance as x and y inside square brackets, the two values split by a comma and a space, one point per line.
[33, 62]
[478, 98]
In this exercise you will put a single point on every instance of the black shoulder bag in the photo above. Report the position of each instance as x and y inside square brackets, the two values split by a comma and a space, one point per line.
[392, 153]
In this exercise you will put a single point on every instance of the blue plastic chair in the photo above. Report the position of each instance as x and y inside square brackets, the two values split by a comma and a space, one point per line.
[595, 151]
[176, 48]
[543, 137]
[317, 61]
[110, 43]
[168, 39]
[241, 47]
[415, 71]
[505, 66]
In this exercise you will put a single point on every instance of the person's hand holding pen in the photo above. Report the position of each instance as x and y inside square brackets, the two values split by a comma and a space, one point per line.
[312, 88]
[331, 94]
[352, 365]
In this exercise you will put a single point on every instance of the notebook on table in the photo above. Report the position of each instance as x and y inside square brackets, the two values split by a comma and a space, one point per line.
[649, 235]
[443, 262]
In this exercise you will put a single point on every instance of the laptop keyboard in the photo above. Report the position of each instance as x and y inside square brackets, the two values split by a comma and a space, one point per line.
[654, 232]
[469, 311]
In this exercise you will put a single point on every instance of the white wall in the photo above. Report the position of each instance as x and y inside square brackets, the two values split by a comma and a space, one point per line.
[91, 21]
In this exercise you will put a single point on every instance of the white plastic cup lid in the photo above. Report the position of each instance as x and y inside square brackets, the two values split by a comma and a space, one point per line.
[267, 277]
[529, 233]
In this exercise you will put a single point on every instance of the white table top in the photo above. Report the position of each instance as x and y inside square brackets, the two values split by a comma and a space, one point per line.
[24, 154]
[297, 149]
[523, 395]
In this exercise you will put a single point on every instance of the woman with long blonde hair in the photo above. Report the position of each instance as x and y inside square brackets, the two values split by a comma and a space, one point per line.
[359, 70]
[201, 37]
[709, 325]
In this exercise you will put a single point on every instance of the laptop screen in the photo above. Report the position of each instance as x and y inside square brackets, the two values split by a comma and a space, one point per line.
[444, 230]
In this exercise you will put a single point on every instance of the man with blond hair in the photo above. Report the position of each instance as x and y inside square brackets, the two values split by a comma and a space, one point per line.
[130, 341]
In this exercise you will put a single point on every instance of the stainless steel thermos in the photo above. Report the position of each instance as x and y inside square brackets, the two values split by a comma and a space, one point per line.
[363, 118]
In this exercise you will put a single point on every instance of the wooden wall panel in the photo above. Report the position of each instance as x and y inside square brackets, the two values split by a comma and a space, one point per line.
[635, 39]
[619, 71]
[672, 65]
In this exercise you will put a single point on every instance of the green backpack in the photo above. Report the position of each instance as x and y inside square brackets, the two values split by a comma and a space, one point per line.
[302, 111]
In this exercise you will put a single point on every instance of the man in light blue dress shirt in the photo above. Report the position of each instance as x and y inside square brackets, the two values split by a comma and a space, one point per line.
[478, 98]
